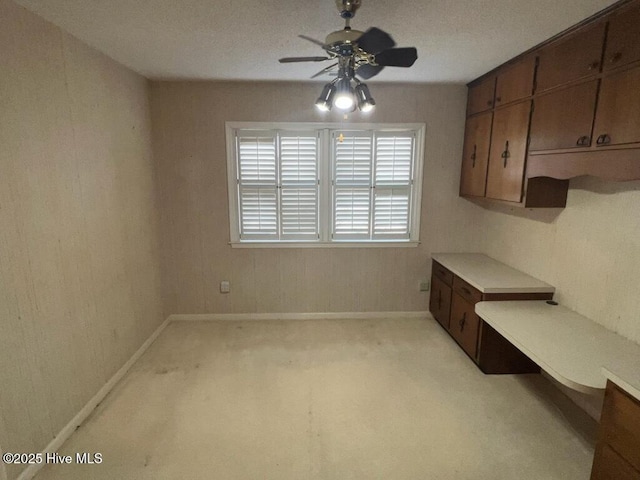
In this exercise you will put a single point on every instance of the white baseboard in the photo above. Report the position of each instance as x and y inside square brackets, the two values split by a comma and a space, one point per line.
[82, 415]
[296, 316]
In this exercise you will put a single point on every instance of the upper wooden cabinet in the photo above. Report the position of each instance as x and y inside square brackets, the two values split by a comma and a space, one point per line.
[623, 38]
[564, 118]
[572, 58]
[618, 116]
[475, 157]
[515, 82]
[505, 176]
[480, 97]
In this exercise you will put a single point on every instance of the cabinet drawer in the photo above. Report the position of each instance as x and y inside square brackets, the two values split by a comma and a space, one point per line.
[442, 273]
[466, 291]
[608, 465]
[440, 301]
[572, 58]
[464, 325]
[620, 424]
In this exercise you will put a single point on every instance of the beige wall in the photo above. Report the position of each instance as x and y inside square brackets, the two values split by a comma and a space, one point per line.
[590, 251]
[80, 286]
[189, 146]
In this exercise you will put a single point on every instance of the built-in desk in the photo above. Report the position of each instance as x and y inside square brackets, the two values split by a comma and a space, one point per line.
[569, 347]
[587, 357]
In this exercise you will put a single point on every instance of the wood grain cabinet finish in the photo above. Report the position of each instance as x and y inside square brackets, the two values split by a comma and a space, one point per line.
[452, 303]
[618, 116]
[623, 38]
[572, 58]
[480, 98]
[564, 118]
[464, 324]
[440, 301]
[505, 175]
[617, 453]
[515, 82]
[475, 156]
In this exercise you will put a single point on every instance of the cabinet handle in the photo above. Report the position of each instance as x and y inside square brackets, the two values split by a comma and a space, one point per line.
[473, 156]
[466, 290]
[616, 57]
[583, 141]
[462, 321]
[505, 155]
[594, 65]
[498, 99]
[603, 139]
[490, 102]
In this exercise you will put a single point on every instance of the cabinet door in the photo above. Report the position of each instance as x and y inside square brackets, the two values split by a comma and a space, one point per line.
[623, 39]
[464, 324]
[480, 96]
[572, 58]
[608, 465]
[564, 118]
[475, 157]
[508, 152]
[440, 301]
[515, 82]
[618, 114]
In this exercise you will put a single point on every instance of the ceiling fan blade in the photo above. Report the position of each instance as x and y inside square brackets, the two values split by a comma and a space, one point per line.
[367, 71]
[375, 41]
[397, 57]
[303, 59]
[312, 40]
[325, 70]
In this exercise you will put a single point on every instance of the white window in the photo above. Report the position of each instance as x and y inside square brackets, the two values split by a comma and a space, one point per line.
[323, 185]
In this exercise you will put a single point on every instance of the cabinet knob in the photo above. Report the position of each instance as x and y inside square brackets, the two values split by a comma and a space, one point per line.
[498, 99]
[594, 65]
[603, 139]
[490, 102]
[616, 57]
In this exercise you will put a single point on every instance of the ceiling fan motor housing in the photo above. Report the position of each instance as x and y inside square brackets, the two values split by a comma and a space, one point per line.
[347, 8]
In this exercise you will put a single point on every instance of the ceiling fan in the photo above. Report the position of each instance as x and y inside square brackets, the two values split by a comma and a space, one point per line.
[355, 54]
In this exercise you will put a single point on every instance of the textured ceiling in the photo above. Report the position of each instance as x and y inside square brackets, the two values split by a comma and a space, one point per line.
[457, 40]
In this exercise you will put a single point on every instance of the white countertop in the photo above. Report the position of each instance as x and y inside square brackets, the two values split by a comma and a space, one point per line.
[489, 275]
[571, 348]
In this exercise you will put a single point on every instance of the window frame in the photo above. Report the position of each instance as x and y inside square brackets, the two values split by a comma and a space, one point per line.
[326, 187]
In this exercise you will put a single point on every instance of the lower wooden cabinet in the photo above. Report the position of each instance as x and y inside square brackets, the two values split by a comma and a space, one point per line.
[452, 303]
[440, 301]
[617, 454]
[464, 325]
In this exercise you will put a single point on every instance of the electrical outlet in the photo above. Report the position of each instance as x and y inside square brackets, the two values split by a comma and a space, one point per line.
[225, 287]
[424, 286]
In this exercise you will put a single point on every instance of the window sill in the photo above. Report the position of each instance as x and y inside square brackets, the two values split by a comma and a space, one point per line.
[342, 244]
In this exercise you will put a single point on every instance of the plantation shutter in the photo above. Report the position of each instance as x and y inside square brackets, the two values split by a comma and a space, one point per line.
[277, 185]
[299, 186]
[393, 175]
[257, 185]
[352, 185]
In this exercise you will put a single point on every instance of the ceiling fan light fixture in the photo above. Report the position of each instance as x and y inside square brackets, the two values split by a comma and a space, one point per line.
[325, 100]
[344, 99]
[366, 103]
